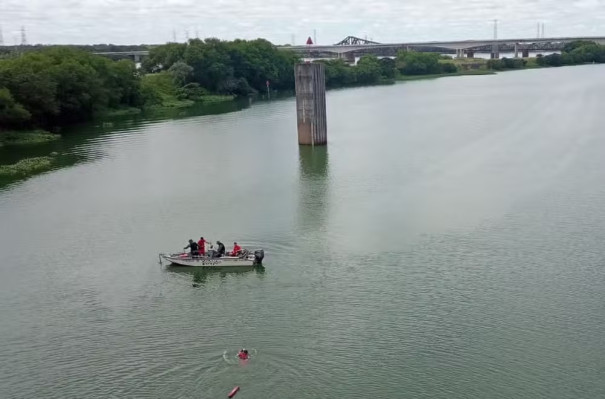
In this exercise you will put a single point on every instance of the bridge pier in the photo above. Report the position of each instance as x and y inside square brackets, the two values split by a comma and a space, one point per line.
[310, 84]
[525, 53]
[470, 54]
[516, 50]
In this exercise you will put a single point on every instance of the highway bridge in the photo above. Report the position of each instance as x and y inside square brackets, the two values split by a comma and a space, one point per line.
[352, 47]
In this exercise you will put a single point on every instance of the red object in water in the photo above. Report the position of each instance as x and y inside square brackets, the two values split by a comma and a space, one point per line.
[233, 392]
[309, 41]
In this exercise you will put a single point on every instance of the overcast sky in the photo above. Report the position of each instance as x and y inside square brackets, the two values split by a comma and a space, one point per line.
[154, 21]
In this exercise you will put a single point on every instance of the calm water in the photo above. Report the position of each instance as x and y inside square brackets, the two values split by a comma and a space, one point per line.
[448, 243]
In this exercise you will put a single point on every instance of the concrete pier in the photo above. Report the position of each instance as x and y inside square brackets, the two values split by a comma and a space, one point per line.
[310, 84]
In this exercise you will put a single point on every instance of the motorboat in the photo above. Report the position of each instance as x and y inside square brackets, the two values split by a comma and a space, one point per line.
[243, 259]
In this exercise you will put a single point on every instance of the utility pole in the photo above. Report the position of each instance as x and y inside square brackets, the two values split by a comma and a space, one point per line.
[174, 35]
[538, 34]
[314, 36]
[543, 30]
[1, 37]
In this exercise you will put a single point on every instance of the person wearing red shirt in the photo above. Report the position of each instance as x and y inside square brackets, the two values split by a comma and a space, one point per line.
[236, 249]
[202, 246]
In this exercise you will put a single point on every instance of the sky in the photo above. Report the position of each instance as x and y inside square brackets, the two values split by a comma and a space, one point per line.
[282, 21]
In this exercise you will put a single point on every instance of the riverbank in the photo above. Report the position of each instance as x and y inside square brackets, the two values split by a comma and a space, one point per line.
[403, 78]
[27, 167]
[26, 137]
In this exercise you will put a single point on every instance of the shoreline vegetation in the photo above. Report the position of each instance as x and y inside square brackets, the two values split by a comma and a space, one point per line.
[27, 167]
[53, 87]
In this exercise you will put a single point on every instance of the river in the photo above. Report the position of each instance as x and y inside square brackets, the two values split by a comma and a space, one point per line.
[447, 243]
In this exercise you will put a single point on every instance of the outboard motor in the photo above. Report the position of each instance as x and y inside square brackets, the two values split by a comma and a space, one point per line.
[259, 254]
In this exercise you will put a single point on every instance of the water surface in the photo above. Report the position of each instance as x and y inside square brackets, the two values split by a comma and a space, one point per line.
[448, 243]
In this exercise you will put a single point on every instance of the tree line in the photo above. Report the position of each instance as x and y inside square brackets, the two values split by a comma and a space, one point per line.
[58, 86]
[574, 53]
[55, 86]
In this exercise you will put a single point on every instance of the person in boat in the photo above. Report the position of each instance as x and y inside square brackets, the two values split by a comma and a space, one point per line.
[243, 354]
[193, 247]
[220, 251]
[202, 246]
[236, 249]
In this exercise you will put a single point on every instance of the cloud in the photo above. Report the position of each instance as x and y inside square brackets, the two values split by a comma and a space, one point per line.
[145, 21]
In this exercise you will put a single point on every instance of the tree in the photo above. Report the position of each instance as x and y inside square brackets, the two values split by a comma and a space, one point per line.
[12, 114]
[388, 68]
[416, 63]
[368, 70]
[181, 72]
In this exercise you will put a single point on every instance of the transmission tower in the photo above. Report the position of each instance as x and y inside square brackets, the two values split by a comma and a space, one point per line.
[495, 50]
[23, 37]
[542, 30]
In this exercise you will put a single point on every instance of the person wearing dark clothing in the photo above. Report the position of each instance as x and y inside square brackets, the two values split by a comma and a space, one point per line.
[194, 248]
[220, 251]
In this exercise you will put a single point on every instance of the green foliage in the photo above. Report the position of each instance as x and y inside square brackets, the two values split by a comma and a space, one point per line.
[181, 72]
[61, 85]
[26, 137]
[11, 112]
[416, 63]
[448, 67]
[578, 52]
[237, 67]
[368, 70]
[388, 68]
[338, 73]
[26, 167]
[506, 64]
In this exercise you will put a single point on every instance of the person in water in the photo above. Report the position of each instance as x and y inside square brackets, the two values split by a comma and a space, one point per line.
[220, 251]
[243, 354]
[202, 246]
[194, 248]
[236, 249]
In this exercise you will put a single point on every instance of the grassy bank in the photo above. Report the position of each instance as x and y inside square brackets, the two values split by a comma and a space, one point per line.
[26, 137]
[27, 167]
[160, 91]
[444, 75]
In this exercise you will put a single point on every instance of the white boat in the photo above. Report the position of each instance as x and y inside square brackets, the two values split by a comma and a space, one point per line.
[247, 258]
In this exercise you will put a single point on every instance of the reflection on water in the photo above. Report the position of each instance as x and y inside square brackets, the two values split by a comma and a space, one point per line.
[201, 275]
[314, 186]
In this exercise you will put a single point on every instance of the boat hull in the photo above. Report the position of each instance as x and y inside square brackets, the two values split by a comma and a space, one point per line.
[207, 262]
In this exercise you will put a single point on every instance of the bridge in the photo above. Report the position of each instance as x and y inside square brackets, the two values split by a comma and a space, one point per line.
[351, 47]
[136, 55]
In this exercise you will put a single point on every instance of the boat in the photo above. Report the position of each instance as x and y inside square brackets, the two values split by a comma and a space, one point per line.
[244, 259]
